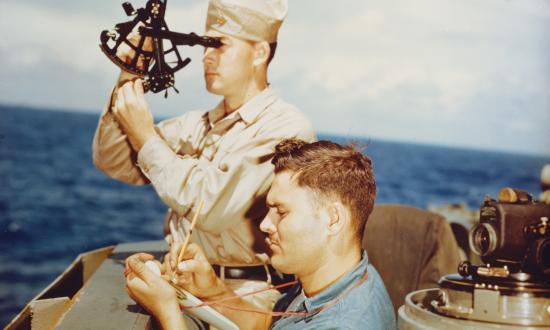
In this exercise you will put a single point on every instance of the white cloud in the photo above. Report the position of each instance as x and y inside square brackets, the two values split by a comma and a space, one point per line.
[453, 72]
[33, 35]
[186, 16]
[423, 70]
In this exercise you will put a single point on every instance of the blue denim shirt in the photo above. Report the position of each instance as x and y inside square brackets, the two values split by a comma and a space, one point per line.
[365, 307]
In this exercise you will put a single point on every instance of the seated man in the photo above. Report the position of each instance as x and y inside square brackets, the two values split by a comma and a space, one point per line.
[319, 203]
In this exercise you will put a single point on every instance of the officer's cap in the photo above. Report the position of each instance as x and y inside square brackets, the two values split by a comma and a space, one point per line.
[255, 20]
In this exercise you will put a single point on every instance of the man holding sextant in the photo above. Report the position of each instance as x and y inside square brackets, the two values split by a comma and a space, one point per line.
[219, 156]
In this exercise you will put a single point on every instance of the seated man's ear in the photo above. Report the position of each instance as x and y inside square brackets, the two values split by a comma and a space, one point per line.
[261, 52]
[339, 217]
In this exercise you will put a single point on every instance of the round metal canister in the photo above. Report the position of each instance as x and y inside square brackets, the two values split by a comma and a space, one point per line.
[418, 313]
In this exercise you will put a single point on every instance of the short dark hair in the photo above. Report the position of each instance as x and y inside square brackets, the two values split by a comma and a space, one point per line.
[331, 170]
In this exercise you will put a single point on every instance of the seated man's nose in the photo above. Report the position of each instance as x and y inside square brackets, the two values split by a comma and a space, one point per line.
[266, 225]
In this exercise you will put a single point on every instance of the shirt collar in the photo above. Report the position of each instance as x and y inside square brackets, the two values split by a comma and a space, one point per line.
[249, 111]
[215, 114]
[334, 291]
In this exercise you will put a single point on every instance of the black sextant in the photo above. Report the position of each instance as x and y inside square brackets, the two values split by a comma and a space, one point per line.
[157, 59]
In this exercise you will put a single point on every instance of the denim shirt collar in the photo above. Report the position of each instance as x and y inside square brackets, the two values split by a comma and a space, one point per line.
[336, 289]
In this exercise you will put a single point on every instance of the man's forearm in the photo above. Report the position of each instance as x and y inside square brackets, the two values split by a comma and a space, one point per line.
[111, 151]
[237, 312]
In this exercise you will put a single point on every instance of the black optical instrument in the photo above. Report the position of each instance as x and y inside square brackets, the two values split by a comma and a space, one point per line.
[159, 64]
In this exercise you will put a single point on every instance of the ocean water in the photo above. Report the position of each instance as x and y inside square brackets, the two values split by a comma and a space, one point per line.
[54, 204]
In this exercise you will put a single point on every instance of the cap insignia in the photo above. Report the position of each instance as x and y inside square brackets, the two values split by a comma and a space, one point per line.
[221, 20]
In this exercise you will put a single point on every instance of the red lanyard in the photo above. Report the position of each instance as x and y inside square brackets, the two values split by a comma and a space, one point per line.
[272, 313]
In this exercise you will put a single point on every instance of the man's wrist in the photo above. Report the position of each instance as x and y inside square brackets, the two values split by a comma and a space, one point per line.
[142, 139]
[220, 291]
[125, 76]
[171, 317]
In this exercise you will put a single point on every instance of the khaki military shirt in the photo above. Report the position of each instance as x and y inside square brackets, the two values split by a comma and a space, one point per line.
[222, 160]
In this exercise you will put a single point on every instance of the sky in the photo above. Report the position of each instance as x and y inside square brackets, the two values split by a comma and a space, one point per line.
[465, 73]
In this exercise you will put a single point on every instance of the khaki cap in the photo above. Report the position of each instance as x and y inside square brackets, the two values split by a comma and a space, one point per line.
[255, 20]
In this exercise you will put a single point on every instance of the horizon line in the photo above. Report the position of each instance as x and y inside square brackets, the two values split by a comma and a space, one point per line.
[336, 135]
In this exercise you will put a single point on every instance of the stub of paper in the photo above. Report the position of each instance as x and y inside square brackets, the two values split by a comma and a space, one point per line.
[153, 267]
[205, 313]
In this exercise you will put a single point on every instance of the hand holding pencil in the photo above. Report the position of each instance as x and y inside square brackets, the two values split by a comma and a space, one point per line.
[188, 237]
[190, 267]
[177, 249]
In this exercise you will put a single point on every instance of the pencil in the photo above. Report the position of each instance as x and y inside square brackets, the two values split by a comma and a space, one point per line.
[186, 242]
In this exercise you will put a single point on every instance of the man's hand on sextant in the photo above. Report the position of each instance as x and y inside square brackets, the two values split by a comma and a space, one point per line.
[132, 113]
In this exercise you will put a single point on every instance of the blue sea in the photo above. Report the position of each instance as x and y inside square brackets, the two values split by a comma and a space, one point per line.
[54, 204]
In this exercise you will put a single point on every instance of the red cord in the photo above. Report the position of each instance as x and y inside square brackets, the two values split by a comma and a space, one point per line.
[214, 302]
[272, 313]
